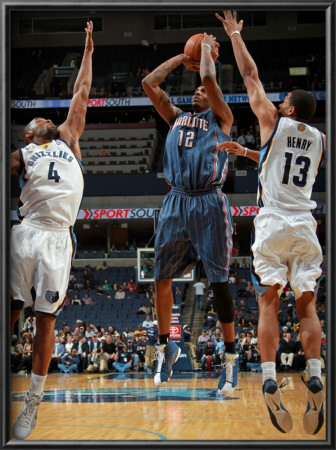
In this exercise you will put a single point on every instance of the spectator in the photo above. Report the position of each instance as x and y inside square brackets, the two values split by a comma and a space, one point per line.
[109, 354]
[27, 353]
[209, 322]
[57, 354]
[299, 360]
[287, 352]
[209, 356]
[68, 344]
[83, 349]
[241, 138]
[79, 284]
[131, 294]
[87, 300]
[153, 334]
[144, 309]
[187, 335]
[76, 300]
[69, 362]
[120, 294]
[90, 330]
[203, 338]
[148, 323]
[219, 346]
[100, 291]
[253, 358]
[249, 140]
[106, 286]
[123, 359]
[199, 293]
[132, 283]
[140, 331]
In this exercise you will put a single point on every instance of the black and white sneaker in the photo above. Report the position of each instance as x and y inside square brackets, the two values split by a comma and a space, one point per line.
[313, 418]
[279, 415]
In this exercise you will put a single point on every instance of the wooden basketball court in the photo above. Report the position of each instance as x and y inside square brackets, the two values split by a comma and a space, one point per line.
[112, 407]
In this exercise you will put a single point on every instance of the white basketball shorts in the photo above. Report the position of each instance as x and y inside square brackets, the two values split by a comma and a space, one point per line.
[285, 249]
[40, 257]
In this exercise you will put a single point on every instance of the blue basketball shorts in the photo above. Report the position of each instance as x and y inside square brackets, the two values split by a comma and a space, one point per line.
[194, 226]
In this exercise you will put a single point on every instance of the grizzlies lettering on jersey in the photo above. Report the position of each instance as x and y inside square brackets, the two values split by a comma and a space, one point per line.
[288, 165]
[195, 159]
[51, 183]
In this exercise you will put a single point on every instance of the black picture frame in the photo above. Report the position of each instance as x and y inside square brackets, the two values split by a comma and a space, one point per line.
[8, 6]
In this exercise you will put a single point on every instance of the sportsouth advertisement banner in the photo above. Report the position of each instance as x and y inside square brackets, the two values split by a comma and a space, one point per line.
[150, 213]
[136, 101]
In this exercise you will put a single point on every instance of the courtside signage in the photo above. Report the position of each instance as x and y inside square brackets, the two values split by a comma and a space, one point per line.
[150, 213]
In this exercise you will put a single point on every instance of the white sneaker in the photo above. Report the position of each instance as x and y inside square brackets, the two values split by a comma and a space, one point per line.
[26, 421]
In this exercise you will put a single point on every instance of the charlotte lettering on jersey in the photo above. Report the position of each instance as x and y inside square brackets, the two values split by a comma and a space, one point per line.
[295, 142]
[191, 122]
[42, 153]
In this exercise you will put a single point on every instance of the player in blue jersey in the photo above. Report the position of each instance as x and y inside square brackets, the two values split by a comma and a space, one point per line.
[42, 245]
[285, 246]
[195, 220]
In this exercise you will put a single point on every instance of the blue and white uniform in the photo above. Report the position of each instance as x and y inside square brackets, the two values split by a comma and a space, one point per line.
[195, 220]
[43, 244]
[285, 246]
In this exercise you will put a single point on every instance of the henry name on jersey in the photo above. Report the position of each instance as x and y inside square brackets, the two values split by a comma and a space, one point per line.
[296, 142]
[53, 154]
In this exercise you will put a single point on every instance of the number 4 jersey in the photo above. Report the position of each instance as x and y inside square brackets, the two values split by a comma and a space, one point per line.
[288, 166]
[51, 182]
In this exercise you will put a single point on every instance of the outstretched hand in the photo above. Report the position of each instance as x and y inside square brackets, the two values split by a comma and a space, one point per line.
[233, 147]
[89, 40]
[229, 22]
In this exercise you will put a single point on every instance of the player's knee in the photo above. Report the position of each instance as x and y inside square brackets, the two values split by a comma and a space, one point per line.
[223, 301]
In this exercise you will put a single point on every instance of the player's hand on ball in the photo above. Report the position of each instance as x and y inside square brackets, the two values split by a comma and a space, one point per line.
[190, 64]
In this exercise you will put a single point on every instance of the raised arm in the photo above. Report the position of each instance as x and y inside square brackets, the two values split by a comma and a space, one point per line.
[239, 150]
[73, 127]
[151, 85]
[263, 108]
[218, 105]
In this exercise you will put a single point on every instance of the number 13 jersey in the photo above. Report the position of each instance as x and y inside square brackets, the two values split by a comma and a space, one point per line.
[288, 166]
[51, 182]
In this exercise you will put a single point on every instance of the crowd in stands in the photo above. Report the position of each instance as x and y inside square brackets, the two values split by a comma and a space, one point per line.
[290, 355]
[86, 339]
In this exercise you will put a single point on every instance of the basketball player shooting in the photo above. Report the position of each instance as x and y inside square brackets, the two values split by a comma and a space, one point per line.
[195, 220]
[285, 246]
[43, 244]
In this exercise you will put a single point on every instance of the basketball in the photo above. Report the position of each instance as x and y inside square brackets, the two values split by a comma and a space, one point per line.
[192, 48]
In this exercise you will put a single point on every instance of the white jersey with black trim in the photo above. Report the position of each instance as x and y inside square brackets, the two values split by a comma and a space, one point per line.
[288, 165]
[51, 182]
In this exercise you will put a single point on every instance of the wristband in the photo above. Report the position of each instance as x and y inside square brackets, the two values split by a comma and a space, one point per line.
[245, 152]
[206, 45]
[234, 32]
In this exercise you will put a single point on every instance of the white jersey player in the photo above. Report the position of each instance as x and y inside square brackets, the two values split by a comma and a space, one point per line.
[288, 166]
[285, 247]
[42, 245]
[51, 183]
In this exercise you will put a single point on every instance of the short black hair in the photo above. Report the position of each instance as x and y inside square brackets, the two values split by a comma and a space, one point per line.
[304, 103]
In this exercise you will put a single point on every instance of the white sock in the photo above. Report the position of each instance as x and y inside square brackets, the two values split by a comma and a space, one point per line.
[268, 371]
[37, 383]
[314, 368]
